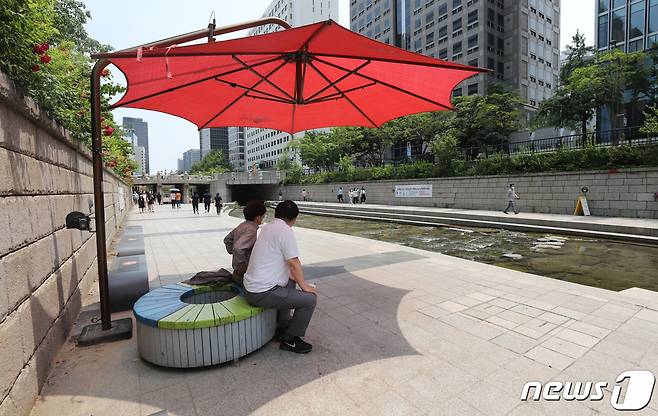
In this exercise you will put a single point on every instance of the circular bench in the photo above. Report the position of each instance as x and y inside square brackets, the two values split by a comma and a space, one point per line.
[195, 326]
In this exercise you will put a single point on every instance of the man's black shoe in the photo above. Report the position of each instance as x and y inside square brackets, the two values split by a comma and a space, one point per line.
[297, 345]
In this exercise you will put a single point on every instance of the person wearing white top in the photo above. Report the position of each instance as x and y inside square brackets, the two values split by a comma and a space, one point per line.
[272, 275]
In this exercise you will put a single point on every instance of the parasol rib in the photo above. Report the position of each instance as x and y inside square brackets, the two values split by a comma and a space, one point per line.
[229, 105]
[343, 95]
[258, 74]
[188, 84]
[386, 84]
[363, 65]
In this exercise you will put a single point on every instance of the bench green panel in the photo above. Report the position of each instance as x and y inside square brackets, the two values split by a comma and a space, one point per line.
[172, 321]
[240, 309]
[208, 315]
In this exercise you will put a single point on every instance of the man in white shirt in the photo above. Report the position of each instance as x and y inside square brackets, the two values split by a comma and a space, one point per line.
[273, 273]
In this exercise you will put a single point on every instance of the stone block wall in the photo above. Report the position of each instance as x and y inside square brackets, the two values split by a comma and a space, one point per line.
[44, 268]
[623, 193]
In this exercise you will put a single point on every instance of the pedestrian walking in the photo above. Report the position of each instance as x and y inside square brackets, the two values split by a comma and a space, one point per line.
[141, 203]
[150, 201]
[207, 198]
[363, 195]
[511, 198]
[172, 199]
[135, 197]
[179, 198]
[355, 196]
[339, 195]
[218, 203]
[195, 203]
[350, 196]
[304, 194]
[280, 195]
[158, 196]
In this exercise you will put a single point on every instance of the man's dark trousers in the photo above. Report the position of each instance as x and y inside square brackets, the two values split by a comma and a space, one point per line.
[283, 299]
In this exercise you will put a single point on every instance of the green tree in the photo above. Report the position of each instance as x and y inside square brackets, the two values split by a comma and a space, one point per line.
[320, 151]
[286, 161]
[418, 130]
[650, 121]
[213, 162]
[578, 56]
[486, 119]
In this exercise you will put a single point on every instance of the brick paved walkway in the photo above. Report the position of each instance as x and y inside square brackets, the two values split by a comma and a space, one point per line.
[397, 331]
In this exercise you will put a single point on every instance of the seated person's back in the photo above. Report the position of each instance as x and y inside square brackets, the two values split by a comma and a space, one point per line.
[240, 241]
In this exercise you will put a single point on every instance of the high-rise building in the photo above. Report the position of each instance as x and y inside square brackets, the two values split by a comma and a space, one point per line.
[213, 138]
[518, 40]
[264, 147]
[190, 158]
[236, 148]
[141, 129]
[628, 25]
[179, 166]
[139, 152]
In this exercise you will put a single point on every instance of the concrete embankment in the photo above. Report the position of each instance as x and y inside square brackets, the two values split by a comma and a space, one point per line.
[629, 193]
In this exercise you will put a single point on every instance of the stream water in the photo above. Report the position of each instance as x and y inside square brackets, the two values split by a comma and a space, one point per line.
[594, 262]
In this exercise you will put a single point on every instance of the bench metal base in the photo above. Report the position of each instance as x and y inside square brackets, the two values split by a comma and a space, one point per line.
[188, 348]
[94, 334]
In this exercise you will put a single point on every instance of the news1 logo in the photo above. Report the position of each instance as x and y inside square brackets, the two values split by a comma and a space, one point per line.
[636, 396]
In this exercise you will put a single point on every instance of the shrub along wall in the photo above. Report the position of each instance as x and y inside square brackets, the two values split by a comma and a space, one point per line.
[44, 268]
[591, 158]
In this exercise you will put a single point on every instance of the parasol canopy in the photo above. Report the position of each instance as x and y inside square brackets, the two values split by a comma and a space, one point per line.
[313, 76]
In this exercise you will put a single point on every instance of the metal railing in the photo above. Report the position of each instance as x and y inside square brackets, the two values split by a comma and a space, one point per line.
[617, 137]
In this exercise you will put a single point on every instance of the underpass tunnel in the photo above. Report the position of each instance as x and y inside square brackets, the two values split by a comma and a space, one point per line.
[200, 189]
[245, 193]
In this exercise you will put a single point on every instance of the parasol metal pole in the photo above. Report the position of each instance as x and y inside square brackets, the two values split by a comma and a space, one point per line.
[99, 197]
[108, 330]
[93, 334]
[203, 33]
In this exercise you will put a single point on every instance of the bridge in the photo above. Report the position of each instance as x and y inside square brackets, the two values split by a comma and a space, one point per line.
[233, 186]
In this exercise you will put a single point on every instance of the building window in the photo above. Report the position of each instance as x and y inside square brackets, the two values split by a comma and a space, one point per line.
[618, 25]
[637, 20]
[457, 92]
[603, 31]
[472, 41]
[472, 89]
[618, 3]
[636, 45]
[604, 5]
[653, 16]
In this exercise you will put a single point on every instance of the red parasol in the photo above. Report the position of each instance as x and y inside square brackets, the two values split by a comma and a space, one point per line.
[319, 75]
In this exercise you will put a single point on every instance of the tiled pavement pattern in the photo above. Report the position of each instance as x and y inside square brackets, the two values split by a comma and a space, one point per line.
[397, 331]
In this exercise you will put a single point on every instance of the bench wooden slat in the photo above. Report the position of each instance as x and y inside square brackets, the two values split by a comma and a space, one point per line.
[170, 321]
[206, 317]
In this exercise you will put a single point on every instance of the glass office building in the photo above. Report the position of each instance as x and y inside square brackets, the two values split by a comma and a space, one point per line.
[627, 25]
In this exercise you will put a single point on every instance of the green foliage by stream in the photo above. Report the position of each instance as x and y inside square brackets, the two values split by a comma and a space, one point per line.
[590, 158]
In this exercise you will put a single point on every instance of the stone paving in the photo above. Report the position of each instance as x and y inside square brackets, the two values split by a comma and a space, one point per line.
[397, 331]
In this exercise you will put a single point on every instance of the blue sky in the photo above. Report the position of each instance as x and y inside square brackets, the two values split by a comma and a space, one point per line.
[123, 24]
